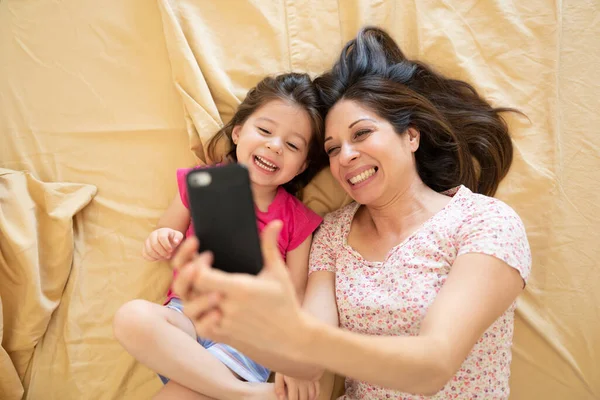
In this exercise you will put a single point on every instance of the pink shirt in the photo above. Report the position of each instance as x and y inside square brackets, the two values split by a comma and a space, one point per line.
[392, 297]
[299, 221]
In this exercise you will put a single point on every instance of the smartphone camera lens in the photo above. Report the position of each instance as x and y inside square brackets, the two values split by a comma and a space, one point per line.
[201, 179]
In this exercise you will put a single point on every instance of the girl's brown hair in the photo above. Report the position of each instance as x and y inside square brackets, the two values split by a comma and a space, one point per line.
[464, 140]
[294, 88]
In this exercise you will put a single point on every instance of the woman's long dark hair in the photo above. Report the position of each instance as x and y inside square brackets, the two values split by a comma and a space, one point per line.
[463, 139]
[294, 88]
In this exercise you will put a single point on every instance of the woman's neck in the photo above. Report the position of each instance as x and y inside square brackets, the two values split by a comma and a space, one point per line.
[406, 210]
[263, 196]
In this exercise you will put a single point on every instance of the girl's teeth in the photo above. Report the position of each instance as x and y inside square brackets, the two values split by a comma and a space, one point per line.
[264, 164]
[363, 176]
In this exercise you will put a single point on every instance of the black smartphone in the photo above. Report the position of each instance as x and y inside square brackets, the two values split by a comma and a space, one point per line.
[224, 219]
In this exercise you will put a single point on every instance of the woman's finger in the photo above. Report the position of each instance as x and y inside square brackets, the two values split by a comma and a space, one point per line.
[303, 390]
[292, 389]
[185, 253]
[201, 304]
[208, 325]
[313, 390]
[279, 386]
[210, 279]
[317, 389]
[183, 284]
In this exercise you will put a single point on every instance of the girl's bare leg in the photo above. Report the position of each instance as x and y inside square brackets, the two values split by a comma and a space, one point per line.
[164, 340]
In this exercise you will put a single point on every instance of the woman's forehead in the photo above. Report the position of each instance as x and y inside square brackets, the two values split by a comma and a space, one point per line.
[345, 113]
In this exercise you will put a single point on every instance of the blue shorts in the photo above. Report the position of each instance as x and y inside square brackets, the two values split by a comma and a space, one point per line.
[237, 362]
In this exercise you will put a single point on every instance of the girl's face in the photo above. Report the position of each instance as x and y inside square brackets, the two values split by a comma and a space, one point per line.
[273, 143]
[371, 161]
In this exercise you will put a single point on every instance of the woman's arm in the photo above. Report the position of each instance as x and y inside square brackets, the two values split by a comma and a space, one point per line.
[263, 309]
[478, 290]
[319, 302]
[261, 315]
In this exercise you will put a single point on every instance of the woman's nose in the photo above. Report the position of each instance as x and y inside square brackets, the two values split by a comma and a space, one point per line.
[348, 154]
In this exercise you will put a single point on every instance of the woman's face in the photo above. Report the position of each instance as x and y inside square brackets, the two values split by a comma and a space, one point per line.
[371, 161]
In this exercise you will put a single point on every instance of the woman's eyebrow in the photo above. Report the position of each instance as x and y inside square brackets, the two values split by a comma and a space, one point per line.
[360, 119]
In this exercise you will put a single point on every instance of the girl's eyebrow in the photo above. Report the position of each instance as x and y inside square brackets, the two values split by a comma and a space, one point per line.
[275, 123]
[300, 137]
[266, 119]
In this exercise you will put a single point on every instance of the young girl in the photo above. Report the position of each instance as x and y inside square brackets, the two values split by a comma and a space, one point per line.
[276, 134]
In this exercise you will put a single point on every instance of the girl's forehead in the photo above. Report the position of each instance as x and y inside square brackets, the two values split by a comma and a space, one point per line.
[287, 115]
[276, 106]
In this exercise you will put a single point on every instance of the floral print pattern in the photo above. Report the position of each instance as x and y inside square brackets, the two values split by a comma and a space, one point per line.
[393, 296]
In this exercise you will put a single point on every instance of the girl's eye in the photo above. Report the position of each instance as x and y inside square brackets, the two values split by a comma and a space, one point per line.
[293, 146]
[266, 132]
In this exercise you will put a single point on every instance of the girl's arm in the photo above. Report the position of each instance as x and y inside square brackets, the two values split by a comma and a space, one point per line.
[297, 262]
[176, 217]
[169, 232]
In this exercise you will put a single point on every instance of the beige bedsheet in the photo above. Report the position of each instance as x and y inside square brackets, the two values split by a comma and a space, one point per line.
[113, 95]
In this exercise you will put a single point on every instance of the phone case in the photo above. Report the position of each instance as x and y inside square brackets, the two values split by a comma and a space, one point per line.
[222, 210]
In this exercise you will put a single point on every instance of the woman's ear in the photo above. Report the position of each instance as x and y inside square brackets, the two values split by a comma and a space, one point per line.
[414, 138]
[235, 134]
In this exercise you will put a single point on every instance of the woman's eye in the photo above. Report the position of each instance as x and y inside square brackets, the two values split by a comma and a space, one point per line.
[361, 133]
[332, 151]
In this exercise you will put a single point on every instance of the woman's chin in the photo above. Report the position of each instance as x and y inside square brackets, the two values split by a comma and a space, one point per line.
[361, 193]
[363, 197]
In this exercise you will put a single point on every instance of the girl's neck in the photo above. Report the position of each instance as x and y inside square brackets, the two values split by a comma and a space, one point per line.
[263, 196]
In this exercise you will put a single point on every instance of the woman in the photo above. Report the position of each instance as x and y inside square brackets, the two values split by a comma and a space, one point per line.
[421, 272]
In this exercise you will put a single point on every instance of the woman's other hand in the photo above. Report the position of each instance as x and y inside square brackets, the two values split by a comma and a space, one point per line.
[296, 389]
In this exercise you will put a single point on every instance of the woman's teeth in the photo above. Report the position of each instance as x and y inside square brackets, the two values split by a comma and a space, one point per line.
[362, 176]
[264, 164]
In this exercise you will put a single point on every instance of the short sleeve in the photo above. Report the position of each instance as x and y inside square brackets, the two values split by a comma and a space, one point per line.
[305, 222]
[182, 186]
[497, 230]
[323, 249]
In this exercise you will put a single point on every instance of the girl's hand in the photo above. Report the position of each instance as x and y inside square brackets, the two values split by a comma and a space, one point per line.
[295, 389]
[255, 314]
[161, 244]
